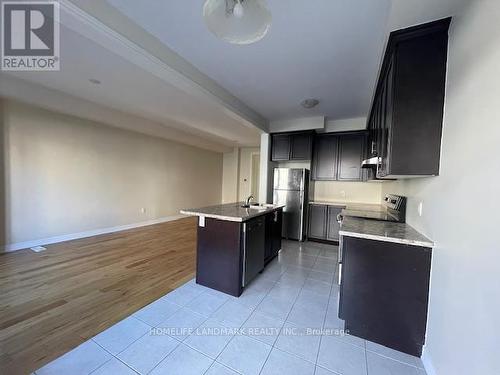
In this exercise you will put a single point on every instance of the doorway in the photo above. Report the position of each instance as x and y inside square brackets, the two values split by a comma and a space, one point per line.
[255, 176]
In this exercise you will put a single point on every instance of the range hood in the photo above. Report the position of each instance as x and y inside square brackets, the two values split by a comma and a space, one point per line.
[371, 162]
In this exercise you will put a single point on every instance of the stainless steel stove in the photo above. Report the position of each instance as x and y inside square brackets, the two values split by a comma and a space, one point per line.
[392, 209]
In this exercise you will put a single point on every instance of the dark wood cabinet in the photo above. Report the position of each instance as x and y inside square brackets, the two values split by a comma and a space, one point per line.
[323, 223]
[324, 166]
[254, 248]
[384, 292]
[301, 146]
[333, 226]
[219, 247]
[338, 157]
[280, 147]
[351, 153]
[317, 221]
[405, 120]
[291, 146]
[230, 254]
[273, 234]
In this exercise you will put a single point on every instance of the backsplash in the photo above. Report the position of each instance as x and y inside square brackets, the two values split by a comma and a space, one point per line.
[364, 192]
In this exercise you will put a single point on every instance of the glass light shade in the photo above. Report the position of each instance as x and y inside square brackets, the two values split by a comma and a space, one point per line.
[251, 27]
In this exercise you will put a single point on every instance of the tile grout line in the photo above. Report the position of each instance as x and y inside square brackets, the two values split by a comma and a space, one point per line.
[286, 269]
[253, 310]
[157, 326]
[113, 356]
[285, 320]
[324, 320]
[180, 342]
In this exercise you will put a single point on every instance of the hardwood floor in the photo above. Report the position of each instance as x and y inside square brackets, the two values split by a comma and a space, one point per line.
[50, 302]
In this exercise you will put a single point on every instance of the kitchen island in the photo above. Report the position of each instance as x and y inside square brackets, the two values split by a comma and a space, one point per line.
[234, 243]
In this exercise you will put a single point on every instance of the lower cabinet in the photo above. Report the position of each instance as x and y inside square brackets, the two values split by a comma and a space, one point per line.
[323, 223]
[333, 226]
[317, 221]
[384, 292]
[273, 234]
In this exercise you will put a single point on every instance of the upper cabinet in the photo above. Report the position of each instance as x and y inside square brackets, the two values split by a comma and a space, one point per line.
[291, 146]
[338, 157]
[405, 120]
[280, 147]
[325, 158]
[351, 153]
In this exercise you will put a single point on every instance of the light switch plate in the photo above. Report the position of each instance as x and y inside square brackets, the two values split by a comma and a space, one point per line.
[420, 208]
[201, 221]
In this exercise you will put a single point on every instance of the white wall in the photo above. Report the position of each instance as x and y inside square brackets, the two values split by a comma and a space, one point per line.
[306, 123]
[348, 124]
[461, 206]
[66, 175]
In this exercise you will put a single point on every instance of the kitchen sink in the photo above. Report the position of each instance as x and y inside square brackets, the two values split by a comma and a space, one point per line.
[258, 206]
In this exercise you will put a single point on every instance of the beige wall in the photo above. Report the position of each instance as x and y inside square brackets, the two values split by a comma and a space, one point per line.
[245, 177]
[67, 175]
[237, 174]
[230, 173]
[362, 192]
[2, 178]
[461, 206]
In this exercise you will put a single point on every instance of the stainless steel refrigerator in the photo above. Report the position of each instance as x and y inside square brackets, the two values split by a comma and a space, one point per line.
[291, 188]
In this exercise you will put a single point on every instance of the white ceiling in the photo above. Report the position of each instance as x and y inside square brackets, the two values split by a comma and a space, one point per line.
[128, 88]
[328, 49]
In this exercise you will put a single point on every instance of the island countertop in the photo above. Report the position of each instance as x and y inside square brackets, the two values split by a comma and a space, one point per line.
[383, 231]
[231, 211]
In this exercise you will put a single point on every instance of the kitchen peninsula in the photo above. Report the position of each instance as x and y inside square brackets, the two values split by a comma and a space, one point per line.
[235, 241]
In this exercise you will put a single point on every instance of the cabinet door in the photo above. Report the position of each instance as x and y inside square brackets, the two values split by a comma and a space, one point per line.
[333, 225]
[317, 221]
[280, 147]
[351, 151]
[269, 236]
[387, 120]
[301, 145]
[277, 223]
[325, 158]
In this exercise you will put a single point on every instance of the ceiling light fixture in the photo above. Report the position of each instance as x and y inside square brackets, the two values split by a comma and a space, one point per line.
[237, 21]
[309, 103]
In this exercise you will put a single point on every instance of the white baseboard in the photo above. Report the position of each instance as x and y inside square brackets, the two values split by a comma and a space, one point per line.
[427, 361]
[95, 232]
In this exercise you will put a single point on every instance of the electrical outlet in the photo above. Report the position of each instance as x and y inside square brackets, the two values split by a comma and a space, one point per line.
[420, 207]
[38, 249]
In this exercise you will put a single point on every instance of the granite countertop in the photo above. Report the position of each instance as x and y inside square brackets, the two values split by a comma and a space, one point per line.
[383, 231]
[230, 211]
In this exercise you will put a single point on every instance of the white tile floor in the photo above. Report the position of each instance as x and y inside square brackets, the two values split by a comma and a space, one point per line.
[196, 330]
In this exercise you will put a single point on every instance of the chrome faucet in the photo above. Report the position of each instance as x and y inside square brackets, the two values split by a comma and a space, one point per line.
[248, 200]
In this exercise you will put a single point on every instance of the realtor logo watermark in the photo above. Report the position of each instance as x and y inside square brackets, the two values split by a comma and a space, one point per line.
[30, 35]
